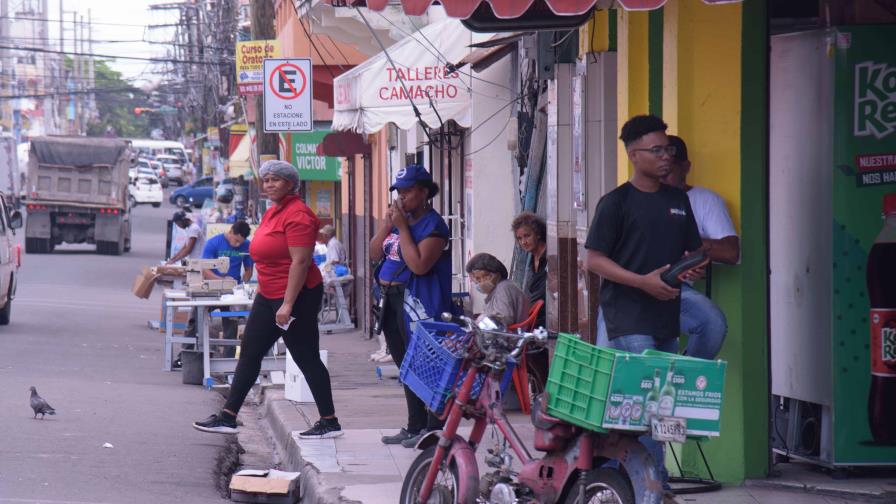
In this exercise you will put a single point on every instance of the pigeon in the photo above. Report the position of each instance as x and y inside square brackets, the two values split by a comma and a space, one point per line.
[39, 405]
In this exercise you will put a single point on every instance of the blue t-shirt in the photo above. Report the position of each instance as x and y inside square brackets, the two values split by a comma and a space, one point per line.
[218, 246]
[426, 296]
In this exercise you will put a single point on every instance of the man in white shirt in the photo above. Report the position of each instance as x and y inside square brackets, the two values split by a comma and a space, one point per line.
[189, 241]
[335, 248]
[701, 319]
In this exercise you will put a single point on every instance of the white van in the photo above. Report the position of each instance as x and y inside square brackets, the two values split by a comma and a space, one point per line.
[161, 147]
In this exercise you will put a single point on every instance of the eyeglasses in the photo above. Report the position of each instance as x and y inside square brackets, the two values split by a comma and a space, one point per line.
[658, 151]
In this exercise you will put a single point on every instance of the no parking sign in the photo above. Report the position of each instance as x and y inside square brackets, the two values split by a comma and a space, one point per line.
[287, 95]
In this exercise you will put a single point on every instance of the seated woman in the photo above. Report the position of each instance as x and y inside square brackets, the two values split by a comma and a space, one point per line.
[504, 300]
[530, 232]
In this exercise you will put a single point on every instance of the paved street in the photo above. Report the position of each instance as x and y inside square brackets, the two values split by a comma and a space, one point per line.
[80, 337]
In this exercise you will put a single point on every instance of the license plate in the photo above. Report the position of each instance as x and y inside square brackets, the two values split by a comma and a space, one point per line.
[669, 429]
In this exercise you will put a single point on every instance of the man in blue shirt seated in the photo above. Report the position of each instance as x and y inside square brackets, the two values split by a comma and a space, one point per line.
[233, 243]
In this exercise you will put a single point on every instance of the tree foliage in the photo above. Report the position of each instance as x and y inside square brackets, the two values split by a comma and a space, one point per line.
[116, 99]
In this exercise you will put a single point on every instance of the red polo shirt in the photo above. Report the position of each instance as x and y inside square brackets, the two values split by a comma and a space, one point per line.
[288, 224]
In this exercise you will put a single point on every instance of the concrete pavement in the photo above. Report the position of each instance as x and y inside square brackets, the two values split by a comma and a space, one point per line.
[358, 468]
[81, 338]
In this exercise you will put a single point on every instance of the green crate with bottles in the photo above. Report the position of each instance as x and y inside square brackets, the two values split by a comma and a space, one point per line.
[662, 385]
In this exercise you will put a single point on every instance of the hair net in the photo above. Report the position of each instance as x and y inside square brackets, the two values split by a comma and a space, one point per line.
[280, 169]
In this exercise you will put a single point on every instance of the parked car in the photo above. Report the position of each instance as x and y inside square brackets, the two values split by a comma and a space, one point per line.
[159, 171]
[138, 171]
[11, 260]
[193, 194]
[174, 169]
[146, 189]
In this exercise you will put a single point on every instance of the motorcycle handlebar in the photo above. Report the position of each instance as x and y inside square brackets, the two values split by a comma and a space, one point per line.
[539, 335]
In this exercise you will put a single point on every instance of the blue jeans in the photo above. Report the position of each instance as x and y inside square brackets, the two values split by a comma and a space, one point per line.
[703, 322]
[637, 343]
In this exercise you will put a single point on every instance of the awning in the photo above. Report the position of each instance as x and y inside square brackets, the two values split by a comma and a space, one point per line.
[371, 95]
[509, 9]
[239, 159]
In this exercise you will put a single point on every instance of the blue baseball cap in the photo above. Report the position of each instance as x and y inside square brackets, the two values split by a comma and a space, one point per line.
[410, 176]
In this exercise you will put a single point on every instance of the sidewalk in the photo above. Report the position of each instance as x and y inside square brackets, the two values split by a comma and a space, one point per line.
[357, 467]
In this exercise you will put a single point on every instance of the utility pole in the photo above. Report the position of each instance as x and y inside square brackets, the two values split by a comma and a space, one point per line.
[82, 78]
[91, 72]
[5, 64]
[262, 27]
[60, 81]
[76, 72]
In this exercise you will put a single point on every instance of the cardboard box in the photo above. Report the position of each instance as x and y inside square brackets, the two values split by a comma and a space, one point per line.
[144, 283]
[173, 271]
[275, 487]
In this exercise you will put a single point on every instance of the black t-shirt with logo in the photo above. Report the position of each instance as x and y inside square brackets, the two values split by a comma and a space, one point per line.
[642, 231]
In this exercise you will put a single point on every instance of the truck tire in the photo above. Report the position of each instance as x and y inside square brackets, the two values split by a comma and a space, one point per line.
[6, 312]
[108, 248]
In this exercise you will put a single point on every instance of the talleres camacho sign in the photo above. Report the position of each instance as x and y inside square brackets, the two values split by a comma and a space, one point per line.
[311, 166]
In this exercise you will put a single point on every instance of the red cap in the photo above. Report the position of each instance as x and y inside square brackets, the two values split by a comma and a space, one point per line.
[890, 204]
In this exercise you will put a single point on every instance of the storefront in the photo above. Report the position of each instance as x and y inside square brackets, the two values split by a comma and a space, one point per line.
[321, 175]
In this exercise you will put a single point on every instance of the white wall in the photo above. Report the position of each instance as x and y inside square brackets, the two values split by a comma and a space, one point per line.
[494, 188]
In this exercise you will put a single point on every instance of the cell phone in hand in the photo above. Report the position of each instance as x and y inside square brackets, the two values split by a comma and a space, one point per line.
[686, 263]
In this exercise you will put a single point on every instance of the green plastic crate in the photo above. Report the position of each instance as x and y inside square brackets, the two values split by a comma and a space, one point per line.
[579, 381]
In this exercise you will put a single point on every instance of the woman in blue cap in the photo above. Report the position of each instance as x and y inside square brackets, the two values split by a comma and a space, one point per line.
[415, 278]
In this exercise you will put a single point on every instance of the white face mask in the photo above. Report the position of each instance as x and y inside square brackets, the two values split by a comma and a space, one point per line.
[485, 287]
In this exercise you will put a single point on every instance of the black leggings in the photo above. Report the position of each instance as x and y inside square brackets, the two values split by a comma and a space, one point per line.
[302, 339]
[395, 332]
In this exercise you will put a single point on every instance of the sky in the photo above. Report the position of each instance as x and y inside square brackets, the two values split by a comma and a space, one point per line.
[123, 21]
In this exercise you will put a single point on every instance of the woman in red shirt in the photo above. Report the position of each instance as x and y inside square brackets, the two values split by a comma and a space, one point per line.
[287, 302]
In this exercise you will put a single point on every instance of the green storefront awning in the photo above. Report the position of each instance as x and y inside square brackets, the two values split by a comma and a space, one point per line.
[304, 156]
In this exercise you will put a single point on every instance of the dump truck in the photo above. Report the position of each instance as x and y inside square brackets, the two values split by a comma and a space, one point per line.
[76, 191]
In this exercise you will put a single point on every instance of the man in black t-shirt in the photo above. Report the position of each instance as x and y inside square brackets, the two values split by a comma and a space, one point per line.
[639, 230]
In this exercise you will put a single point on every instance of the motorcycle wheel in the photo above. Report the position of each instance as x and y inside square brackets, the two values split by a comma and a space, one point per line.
[602, 486]
[445, 489]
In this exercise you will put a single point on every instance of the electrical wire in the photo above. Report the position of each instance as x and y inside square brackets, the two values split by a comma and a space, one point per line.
[501, 132]
[311, 41]
[25, 18]
[398, 75]
[136, 58]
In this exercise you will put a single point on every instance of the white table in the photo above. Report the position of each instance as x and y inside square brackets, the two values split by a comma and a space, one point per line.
[343, 320]
[176, 299]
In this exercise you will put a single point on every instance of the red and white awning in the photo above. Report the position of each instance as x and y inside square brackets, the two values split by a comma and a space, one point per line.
[380, 90]
[509, 9]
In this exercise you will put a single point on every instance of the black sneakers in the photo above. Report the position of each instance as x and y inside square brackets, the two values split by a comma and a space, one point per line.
[219, 423]
[323, 429]
[411, 442]
[399, 438]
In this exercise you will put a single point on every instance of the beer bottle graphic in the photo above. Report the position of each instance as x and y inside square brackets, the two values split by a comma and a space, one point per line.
[667, 394]
[881, 283]
[652, 401]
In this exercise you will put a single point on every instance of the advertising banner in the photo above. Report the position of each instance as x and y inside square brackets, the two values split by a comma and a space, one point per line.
[656, 384]
[250, 56]
[864, 267]
[304, 156]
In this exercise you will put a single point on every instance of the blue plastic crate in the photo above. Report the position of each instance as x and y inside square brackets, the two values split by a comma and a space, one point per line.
[432, 364]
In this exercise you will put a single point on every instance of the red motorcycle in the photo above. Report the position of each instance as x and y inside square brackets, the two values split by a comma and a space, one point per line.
[570, 471]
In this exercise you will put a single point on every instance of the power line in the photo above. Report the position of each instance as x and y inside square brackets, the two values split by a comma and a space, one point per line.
[24, 18]
[311, 41]
[91, 55]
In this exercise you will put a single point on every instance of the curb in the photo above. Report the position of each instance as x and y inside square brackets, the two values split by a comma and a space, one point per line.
[866, 495]
[281, 415]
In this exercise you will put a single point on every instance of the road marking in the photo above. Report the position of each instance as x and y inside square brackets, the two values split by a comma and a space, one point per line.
[46, 501]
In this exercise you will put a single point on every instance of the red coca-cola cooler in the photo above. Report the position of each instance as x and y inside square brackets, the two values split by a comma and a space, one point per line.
[832, 245]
